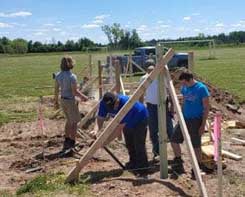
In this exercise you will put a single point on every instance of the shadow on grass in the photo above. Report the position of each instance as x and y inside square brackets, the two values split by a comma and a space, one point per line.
[144, 181]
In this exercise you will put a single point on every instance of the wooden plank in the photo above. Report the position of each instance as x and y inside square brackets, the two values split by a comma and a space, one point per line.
[191, 61]
[100, 79]
[90, 65]
[89, 84]
[117, 76]
[132, 74]
[74, 173]
[231, 155]
[209, 150]
[118, 85]
[136, 65]
[238, 140]
[162, 128]
[185, 133]
[122, 86]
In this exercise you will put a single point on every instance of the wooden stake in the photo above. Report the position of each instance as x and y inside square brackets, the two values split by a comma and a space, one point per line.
[100, 79]
[136, 65]
[191, 61]
[122, 86]
[162, 128]
[74, 173]
[117, 76]
[220, 173]
[186, 135]
[90, 66]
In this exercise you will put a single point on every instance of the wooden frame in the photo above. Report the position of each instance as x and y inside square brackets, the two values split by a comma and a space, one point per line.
[74, 173]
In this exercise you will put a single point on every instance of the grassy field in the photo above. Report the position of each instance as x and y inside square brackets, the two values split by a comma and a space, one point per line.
[227, 71]
[23, 76]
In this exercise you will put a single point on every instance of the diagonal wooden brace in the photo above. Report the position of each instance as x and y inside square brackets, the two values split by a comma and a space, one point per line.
[74, 173]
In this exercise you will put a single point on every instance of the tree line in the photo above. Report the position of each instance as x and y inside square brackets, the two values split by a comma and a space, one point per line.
[23, 46]
[118, 38]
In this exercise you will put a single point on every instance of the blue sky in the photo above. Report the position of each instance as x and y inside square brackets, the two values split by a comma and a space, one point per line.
[53, 20]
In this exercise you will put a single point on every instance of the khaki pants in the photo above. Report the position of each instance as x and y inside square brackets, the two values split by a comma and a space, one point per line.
[71, 111]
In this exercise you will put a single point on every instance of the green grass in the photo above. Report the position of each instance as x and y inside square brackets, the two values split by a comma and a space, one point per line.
[227, 71]
[52, 185]
[21, 77]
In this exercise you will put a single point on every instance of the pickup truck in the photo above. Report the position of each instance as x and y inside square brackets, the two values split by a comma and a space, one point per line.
[142, 54]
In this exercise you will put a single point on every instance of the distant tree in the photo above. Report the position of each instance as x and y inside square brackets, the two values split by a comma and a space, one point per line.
[135, 40]
[119, 37]
[85, 43]
[69, 45]
[114, 34]
[19, 45]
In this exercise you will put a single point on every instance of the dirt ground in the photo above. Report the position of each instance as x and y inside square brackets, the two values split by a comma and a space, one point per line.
[20, 143]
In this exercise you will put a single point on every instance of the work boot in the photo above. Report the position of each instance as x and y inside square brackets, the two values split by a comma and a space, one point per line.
[66, 144]
[177, 165]
[129, 165]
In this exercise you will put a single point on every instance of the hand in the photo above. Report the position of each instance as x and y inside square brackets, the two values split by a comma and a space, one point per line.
[201, 130]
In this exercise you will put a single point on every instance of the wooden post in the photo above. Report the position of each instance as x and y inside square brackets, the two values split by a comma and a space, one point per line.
[110, 70]
[118, 84]
[122, 86]
[219, 162]
[90, 66]
[74, 173]
[185, 133]
[162, 128]
[191, 61]
[117, 76]
[100, 79]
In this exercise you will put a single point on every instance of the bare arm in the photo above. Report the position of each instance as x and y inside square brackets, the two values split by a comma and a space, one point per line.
[76, 92]
[205, 102]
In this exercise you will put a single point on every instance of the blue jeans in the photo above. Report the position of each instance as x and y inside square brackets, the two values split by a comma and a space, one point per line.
[153, 126]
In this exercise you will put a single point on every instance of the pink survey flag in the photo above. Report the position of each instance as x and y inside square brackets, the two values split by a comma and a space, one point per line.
[217, 134]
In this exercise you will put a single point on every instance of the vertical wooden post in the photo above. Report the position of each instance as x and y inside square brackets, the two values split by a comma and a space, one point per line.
[191, 61]
[90, 66]
[118, 84]
[100, 79]
[162, 128]
[220, 174]
[110, 70]
[130, 70]
[117, 76]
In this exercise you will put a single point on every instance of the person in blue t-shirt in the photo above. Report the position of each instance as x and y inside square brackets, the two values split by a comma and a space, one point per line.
[195, 110]
[133, 125]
